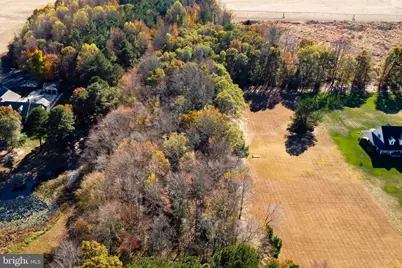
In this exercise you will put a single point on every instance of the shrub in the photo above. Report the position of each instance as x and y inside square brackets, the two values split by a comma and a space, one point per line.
[237, 256]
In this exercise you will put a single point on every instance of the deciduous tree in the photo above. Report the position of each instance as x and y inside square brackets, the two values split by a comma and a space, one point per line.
[36, 63]
[175, 147]
[59, 30]
[305, 117]
[177, 13]
[392, 70]
[36, 124]
[95, 255]
[60, 124]
[362, 72]
[240, 255]
[10, 128]
[81, 19]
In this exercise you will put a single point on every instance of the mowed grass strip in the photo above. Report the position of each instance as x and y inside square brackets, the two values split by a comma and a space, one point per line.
[345, 128]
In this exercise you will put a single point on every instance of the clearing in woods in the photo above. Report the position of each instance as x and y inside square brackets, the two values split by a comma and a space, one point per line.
[51, 239]
[325, 212]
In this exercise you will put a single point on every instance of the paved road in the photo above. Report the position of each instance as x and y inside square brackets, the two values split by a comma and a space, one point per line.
[13, 14]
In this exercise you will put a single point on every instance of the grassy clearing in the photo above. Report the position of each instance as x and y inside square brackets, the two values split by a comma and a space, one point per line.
[45, 240]
[345, 125]
[11, 160]
[49, 240]
[50, 190]
[30, 144]
[20, 247]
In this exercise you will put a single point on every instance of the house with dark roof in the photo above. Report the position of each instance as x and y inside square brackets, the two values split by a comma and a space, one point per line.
[46, 98]
[387, 139]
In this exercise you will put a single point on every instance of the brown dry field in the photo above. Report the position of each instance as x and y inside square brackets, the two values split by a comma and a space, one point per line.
[13, 14]
[364, 10]
[376, 37]
[325, 212]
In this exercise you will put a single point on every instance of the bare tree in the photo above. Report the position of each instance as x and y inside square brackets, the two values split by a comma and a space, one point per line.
[179, 208]
[191, 82]
[340, 46]
[67, 255]
[109, 221]
[148, 65]
[289, 43]
[249, 231]
[160, 236]
[160, 37]
[272, 35]
[273, 213]
[111, 131]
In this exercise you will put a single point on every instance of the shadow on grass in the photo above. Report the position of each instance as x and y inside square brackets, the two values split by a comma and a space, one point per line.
[356, 100]
[40, 165]
[381, 161]
[297, 144]
[262, 98]
[338, 100]
[389, 102]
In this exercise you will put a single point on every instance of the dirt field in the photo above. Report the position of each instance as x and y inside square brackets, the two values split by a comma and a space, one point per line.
[13, 14]
[326, 214]
[364, 10]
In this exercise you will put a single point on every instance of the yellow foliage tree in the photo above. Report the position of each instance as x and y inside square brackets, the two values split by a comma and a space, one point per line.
[96, 256]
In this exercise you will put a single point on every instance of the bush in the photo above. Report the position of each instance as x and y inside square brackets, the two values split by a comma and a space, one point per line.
[273, 243]
[96, 255]
[238, 256]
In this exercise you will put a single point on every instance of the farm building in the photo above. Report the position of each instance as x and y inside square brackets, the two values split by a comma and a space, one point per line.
[386, 139]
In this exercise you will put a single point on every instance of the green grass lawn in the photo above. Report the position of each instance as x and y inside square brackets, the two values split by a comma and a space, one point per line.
[345, 125]
[30, 144]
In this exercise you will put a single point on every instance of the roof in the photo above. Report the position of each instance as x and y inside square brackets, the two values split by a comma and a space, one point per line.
[50, 86]
[392, 132]
[387, 138]
[44, 102]
[41, 97]
[8, 95]
[21, 107]
[30, 84]
[36, 98]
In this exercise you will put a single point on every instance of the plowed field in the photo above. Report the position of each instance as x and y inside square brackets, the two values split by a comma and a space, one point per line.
[325, 212]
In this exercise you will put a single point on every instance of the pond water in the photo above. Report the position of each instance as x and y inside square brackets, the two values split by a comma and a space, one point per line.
[21, 208]
[12, 189]
[17, 202]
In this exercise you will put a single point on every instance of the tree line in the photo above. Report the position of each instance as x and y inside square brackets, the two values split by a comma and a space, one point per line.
[102, 39]
[93, 254]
